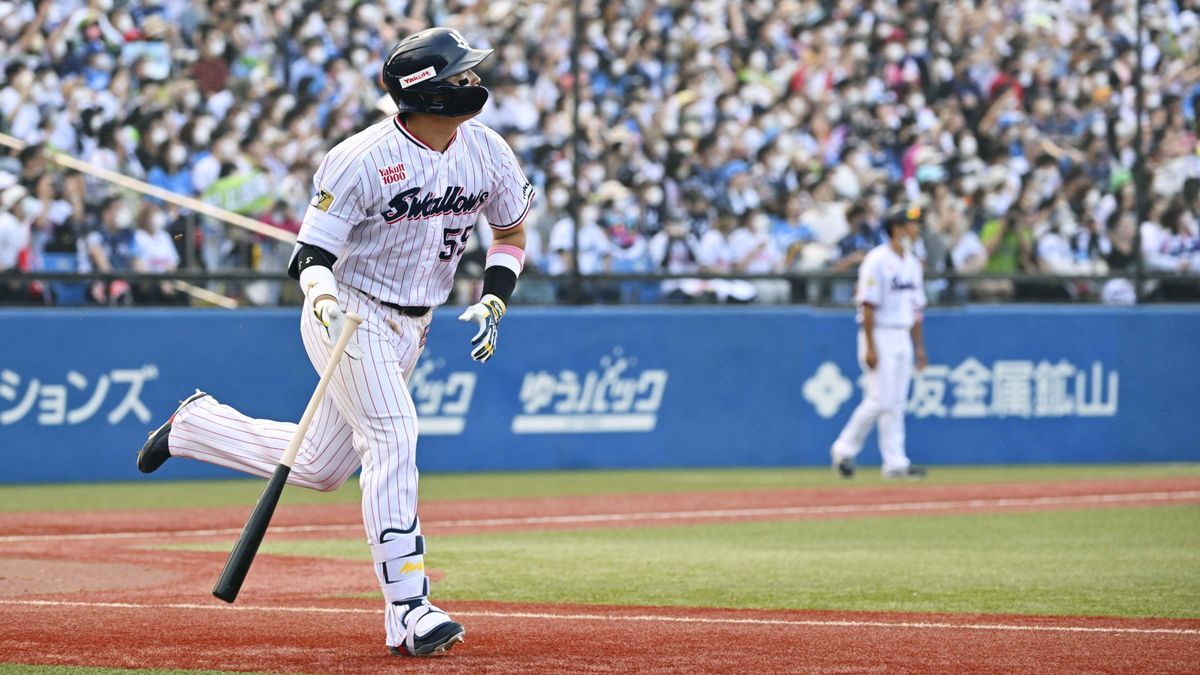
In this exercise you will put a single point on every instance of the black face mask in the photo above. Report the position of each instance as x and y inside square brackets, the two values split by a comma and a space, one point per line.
[446, 99]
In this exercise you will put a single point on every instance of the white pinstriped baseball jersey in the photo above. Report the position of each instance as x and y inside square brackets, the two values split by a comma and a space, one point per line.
[397, 213]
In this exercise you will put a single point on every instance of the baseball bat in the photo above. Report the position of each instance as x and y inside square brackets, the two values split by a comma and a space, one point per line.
[238, 564]
[121, 180]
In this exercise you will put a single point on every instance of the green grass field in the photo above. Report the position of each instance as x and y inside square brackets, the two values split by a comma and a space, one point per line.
[155, 493]
[1135, 562]
[1114, 562]
[1126, 562]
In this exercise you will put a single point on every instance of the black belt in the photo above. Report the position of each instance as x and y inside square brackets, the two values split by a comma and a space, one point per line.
[407, 310]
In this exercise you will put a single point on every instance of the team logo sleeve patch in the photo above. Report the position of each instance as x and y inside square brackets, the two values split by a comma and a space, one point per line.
[323, 200]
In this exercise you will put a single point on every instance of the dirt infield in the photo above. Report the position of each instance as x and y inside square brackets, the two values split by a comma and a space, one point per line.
[117, 606]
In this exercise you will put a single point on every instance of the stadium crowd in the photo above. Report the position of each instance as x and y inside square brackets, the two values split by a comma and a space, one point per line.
[752, 138]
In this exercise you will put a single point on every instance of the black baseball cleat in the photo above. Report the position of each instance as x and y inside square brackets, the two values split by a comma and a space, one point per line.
[908, 473]
[429, 631]
[845, 467]
[438, 640]
[155, 451]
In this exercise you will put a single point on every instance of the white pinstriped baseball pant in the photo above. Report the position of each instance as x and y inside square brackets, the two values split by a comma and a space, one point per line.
[367, 419]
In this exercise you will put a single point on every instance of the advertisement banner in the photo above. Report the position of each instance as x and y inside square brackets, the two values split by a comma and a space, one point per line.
[606, 388]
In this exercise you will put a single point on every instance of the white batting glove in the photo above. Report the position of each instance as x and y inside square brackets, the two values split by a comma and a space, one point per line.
[333, 319]
[487, 313]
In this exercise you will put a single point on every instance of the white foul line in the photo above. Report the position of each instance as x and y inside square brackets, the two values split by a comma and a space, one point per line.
[887, 507]
[800, 623]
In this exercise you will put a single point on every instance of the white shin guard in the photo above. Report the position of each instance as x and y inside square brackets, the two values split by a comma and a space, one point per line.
[400, 566]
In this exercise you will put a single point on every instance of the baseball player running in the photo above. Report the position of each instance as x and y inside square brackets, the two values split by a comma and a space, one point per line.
[393, 209]
[891, 296]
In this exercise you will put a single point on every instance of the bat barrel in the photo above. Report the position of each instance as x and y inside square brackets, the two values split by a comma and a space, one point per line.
[238, 564]
[240, 559]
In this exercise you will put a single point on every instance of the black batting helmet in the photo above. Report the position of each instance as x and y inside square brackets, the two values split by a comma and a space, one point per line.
[902, 214]
[416, 71]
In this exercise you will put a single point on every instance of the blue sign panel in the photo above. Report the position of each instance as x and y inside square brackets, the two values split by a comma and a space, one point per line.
[639, 387]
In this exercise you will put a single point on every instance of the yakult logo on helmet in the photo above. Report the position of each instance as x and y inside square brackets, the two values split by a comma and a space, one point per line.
[409, 80]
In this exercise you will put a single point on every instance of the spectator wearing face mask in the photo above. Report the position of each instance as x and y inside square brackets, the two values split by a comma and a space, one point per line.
[17, 244]
[716, 257]
[110, 249]
[282, 216]
[1055, 254]
[1173, 246]
[153, 252]
[535, 289]
[741, 195]
[14, 231]
[154, 133]
[95, 32]
[51, 225]
[72, 203]
[594, 249]
[170, 170]
[889, 92]
[755, 251]
[44, 213]
[674, 250]
[108, 153]
[310, 66]
[791, 234]
[225, 150]
[647, 211]
[1009, 242]
[826, 215]
[211, 69]
[699, 213]
[18, 103]
[866, 235]
[628, 254]
[1121, 256]
[33, 164]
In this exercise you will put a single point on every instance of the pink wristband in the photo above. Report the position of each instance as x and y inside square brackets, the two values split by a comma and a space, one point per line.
[506, 255]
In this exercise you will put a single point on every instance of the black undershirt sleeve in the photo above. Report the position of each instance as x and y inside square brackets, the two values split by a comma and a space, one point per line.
[500, 282]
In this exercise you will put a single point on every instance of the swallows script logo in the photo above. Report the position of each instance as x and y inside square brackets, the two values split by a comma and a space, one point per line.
[408, 204]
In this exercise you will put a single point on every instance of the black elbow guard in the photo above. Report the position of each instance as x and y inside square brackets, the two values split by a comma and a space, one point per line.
[308, 255]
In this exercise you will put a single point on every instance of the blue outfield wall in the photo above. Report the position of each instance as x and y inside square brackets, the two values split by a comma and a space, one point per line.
[638, 387]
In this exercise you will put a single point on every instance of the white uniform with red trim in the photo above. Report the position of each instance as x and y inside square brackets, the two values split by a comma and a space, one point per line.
[895, 286]
[397, 215]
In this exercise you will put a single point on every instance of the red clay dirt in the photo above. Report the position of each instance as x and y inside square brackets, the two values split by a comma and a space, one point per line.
[80, 588]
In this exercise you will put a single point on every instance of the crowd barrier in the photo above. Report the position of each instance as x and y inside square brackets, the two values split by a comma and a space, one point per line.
[614, 387]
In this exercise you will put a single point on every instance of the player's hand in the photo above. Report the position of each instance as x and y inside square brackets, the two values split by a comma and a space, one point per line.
[333, 319]
[871, 358]
[922, 359]
[487, 313]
